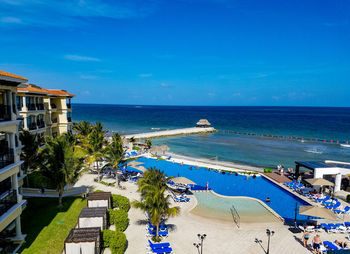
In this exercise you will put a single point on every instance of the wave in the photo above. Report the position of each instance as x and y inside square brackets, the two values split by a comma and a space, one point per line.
[313, 151]
[156, 128]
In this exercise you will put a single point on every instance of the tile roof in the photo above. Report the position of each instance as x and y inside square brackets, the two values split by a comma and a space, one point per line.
[7, 74]
[30, 88]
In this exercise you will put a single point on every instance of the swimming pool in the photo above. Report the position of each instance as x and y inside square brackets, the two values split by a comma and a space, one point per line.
[282, 201]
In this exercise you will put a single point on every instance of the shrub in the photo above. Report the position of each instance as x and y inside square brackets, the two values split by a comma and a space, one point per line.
[115, 240]
[267, 170]
[136, 148]
[35, 179]
[121, 202]
[119, 218]
[348, 198]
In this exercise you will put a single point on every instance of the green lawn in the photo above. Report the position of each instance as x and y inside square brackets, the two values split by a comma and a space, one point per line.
[47, 226]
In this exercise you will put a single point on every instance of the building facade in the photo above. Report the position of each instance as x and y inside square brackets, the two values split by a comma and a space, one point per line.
[11, 175]
[46, 112]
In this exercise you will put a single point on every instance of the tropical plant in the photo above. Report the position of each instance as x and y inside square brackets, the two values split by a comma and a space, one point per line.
[132, 139]
[148, 143]
[113, 153]
[121, 202]
[153, 197]
[59, 163]
[115, 240]
[29, 152]
[82, 129]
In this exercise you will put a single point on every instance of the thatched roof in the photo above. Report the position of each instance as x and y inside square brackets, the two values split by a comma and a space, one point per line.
[182, 180]
[99, 196]
[93, 212]
[203, 122]
[77, 235]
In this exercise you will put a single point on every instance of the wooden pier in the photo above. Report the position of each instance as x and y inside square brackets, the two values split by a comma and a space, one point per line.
[175, 132]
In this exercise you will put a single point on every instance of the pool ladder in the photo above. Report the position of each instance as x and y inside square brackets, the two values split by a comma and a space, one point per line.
[235, 216]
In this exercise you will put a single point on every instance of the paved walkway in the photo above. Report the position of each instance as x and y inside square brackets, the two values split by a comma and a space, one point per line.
[277, 177]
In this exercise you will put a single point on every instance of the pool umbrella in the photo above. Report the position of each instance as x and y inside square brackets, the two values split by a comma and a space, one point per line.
[317, 211]
[164, 148]
[182, 180]
[141, 168]
[134, 163]
[319, 181]
[156, 149]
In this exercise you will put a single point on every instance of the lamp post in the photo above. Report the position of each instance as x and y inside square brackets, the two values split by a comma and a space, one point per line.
[269, 234]
[201, 238]
[197, 245]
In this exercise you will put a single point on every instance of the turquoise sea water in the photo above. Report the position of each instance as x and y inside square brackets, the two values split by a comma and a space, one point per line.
[306, 122]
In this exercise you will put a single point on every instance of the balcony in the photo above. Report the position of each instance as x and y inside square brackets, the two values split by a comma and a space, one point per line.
[69, 119]
[8, 201]
[40, 123]
[40, 106]
[53, 106]
[31, 106]
[32, 126]
[5, 112]
[69, 105]
[19, 107]
[54, 120]
[6, 156]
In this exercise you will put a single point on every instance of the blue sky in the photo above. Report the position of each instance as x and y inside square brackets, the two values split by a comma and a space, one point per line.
[182, 52]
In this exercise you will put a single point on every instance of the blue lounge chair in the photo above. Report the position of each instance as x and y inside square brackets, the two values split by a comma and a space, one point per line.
[326, 227]
[346, 210]
[153, 227]
[323, 199]
[290, 183]
[334, 206]
[330, 202]
[160, 233]
[162, 250]
[298, 186]
[330, 245]
[347, 224]
[158, 245]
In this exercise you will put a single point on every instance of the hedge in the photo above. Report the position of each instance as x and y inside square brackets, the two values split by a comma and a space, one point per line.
[119, 218]
[268, 170]
[121, 202]
[115, 240]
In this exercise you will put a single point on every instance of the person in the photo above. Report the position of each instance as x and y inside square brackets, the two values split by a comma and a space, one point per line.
[281, 170]
[42, 188]
[306, 237]
[267, 200]
[316, 244]
[341, 244]
[299, 180]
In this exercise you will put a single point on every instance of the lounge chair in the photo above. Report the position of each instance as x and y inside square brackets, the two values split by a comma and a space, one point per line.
[160, 233]
[153, 227]
[346, 210]
[162, 250]
[320, 200]
[330, 245]
[158, 245]
[334, 201]
[326, 227]
[290, 183]
[336, 205]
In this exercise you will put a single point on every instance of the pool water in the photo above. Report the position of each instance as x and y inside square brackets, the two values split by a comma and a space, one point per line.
[215, 207]
[282, 201]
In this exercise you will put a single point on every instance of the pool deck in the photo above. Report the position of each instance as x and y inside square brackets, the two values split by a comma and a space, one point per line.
[277, 177]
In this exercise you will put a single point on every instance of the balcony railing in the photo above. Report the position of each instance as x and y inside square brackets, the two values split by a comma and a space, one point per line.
[5, 185]
[69, 119]
[31, 106]
[40, 123]
[53, 106]
[40, 106]
[32, 126]
[5, 112]
[54, 120]
[19, 107]
[6, 156]
[69, 105]
[7, 202]
[14, 108]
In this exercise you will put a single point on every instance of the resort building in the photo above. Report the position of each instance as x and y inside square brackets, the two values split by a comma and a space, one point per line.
[11, 175]
[46, 112]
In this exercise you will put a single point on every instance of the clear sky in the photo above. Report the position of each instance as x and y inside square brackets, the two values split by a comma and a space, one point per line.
[182, 52]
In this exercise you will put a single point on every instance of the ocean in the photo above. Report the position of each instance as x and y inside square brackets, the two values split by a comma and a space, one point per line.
[302, 122]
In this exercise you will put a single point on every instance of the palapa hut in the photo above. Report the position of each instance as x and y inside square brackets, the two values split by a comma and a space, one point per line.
[93, 217]
[83, 240]
[100, 199]
[203, 123]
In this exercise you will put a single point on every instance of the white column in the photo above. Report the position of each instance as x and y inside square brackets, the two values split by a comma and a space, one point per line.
[14, 184]
[25, 123]
[18, 228]
[337, 183]
[24, 108]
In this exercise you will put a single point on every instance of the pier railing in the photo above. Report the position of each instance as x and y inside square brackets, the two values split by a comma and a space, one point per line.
[235, 216]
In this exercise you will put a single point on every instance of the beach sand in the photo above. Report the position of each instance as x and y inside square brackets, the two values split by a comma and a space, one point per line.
[222, 236]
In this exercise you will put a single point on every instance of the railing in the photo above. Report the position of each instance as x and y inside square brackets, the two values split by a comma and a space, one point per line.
[32, 126]
[5, 112]
[69, 105]
[235, 216]
[40, 106]
[5, 185]
[7, 202]
[53, 106]
[31, 106]
[69, 119]
[6, 156]
[19, 107]
[54, 120]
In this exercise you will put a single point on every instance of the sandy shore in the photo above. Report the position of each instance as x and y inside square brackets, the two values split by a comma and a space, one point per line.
[174, 132]
[202, 162]
[222, 237]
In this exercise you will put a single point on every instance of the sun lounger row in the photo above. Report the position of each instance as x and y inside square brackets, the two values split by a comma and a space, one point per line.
[180, 198]
[336, 228]
[159, 247]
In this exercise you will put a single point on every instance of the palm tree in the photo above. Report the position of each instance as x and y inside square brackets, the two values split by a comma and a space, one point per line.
[157, 204]
[29, 152]
[83, 129]
[114, 152]
[94, 145]
[60, 164]
[153, 197]
[148, 143]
